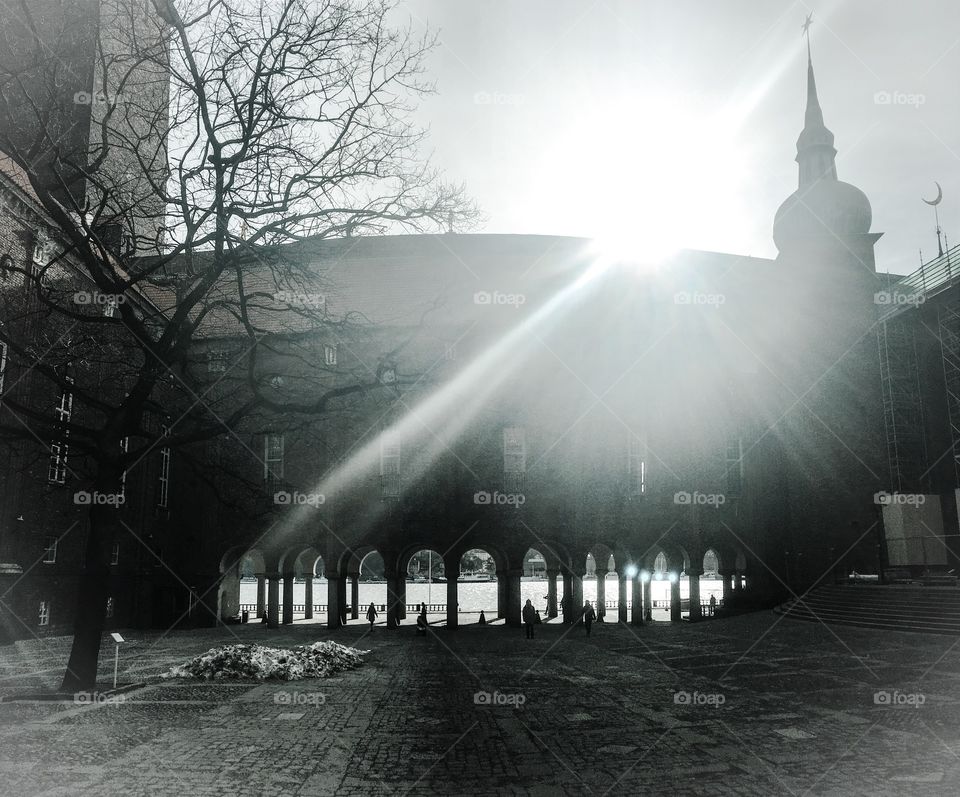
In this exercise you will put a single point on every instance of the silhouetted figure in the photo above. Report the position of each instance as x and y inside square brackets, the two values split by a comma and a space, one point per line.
[422, 620]
[529, 618]
[483, 618]
[371, 615]
[713, 605]
[589, 615]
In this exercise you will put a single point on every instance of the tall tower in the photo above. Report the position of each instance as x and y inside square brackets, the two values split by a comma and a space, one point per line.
[84, 94]
[830, 440]
[825, 217]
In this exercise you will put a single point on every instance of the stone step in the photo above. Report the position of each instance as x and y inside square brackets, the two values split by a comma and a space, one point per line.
[922, 610]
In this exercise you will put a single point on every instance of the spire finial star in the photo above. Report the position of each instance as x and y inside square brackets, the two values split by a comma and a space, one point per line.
[806, 32]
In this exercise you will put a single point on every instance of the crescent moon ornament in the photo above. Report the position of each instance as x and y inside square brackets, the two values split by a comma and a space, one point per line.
[936, 201]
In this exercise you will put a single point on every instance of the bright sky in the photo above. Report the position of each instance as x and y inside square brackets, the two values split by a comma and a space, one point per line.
[675, 123]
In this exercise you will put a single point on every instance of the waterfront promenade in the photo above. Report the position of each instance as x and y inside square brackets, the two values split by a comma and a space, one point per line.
[749, 705]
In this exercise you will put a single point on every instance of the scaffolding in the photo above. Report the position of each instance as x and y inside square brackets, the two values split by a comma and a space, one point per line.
[948, 322]
[903, 402]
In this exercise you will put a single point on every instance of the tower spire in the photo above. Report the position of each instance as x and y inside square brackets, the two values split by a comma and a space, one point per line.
[815, 152]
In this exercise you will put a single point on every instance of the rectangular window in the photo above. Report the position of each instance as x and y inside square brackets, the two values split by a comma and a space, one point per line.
[329, 354]
[514, 458]
[163, 485]
[734, 465]
[3, 366]
[273, 461]
[216, 361]
[111, 308]
[124, 448]
[57, 468]
[44, 613]
[389, 466]
[637, 465]
[50, 554]
[115, 554]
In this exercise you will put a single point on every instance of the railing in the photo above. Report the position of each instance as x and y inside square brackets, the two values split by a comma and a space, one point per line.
[928, 280]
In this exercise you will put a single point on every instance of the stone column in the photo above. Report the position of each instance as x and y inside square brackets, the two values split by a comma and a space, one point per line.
[552, 593]
[334, 608]
[695, 613]
[601, 606]
[513, 610]
[576, 584]
[568, 609]
[636, 610]
[308, 597]
[501, 594]
[273, 600]
[393, 601]
[287, 598]
[453, 597]
[725, 577]
[261, 596]
[402, 584]
[354, 596]
[647, 600]
[622, 597]
[675, 614]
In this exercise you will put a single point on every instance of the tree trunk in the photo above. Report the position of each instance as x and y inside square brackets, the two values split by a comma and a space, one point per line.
[93, 591]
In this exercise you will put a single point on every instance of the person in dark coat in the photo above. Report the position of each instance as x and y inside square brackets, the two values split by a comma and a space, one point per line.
[529, 618]
[589, 615]
[371, 615]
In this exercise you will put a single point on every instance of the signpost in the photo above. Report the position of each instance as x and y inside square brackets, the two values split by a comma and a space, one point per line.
[116, 656]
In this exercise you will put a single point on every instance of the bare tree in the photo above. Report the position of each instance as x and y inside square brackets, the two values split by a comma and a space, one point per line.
[219, 133]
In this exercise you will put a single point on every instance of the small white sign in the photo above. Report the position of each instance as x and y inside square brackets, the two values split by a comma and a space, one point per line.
[116, 637]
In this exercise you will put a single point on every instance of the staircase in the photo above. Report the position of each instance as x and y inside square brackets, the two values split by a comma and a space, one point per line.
[928, 610]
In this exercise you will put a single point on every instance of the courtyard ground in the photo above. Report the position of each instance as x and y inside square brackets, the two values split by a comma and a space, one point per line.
[749, 705]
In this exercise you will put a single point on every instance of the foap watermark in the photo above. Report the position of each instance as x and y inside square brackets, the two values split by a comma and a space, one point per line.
[286, 698]
[883, 498]
[84, 498]
[95, 298]
[485, 498]
[713, 699]
[283, 498]
[896, 698]
[498, 298]
[899, 98]
[97, 698]
[495, 698]
[300, 299]
[97, 98]
[893, 299]
[683, 498]
[498, 98]
[703, 299]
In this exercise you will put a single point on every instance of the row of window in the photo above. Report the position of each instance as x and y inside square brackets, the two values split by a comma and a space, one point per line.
[43, 614]
[219, 359]
[50, 553]
[514, 463]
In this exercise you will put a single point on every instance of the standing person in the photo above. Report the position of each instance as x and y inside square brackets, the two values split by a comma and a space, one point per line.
[713, 605]
[422, 620]
[589, 615]
[529, 618]
[371, 614]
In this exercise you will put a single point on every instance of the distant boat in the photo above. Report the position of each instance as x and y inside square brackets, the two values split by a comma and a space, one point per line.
[477, 577]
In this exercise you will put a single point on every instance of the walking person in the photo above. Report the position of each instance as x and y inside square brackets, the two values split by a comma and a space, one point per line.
[371, 615]
[529, 618]
[589, 615]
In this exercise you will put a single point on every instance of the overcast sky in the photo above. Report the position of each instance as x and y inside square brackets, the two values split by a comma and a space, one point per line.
[677, 121]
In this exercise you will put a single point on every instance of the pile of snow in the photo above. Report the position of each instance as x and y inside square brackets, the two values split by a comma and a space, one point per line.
[258, 662]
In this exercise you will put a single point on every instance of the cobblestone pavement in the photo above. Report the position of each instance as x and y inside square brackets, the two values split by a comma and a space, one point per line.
[749, 705]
